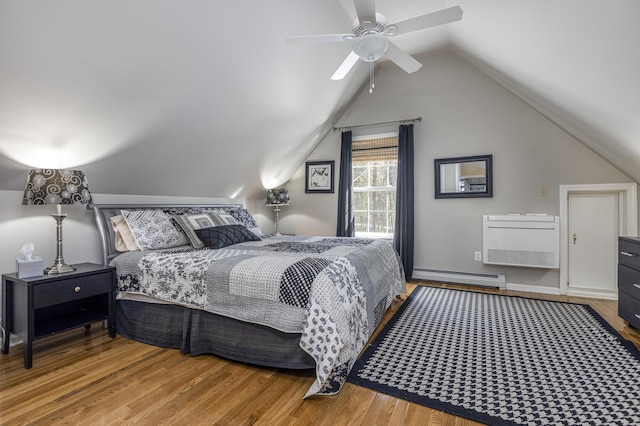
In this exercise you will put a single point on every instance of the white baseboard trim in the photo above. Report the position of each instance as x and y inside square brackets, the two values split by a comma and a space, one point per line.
[533, 288]
[489, 280]
[13, 339]
[593, 294]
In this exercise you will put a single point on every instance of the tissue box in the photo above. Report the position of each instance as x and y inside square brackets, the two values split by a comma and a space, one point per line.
[29, 268]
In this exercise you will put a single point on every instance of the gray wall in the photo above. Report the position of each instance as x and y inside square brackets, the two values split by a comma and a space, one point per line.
[464, 113]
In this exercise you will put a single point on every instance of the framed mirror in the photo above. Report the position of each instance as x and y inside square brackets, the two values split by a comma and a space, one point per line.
[464, 177]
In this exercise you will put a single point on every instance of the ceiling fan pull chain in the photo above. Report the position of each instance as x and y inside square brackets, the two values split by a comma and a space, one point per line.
[371, 78]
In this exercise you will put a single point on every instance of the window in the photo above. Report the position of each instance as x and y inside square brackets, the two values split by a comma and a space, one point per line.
[374, 169]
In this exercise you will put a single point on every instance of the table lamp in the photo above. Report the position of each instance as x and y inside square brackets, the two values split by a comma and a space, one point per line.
[57, 186]
[277, 198]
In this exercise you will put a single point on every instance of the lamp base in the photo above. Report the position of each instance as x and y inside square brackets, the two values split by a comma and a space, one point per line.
[58, 269]
[277, 209]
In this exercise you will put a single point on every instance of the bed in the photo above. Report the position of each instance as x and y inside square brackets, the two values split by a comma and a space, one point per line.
[223, 288]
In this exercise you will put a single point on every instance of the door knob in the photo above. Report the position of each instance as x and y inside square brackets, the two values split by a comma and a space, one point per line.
[574, 238]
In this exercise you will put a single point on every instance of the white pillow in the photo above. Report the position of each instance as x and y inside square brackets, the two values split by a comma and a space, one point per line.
[124, 240]
[153, 229]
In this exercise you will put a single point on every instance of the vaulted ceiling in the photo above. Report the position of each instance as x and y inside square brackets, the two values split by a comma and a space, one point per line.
[204, 98]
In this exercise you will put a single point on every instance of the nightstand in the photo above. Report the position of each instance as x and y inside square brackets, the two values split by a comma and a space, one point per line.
[38, 307]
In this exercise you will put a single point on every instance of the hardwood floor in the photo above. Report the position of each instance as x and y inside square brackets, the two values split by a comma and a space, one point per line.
[90, 379]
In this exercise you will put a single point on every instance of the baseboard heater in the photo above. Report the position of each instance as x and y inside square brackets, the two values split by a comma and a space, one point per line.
[487, 280]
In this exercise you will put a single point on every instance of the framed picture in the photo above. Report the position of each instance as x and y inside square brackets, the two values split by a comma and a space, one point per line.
[319, 177]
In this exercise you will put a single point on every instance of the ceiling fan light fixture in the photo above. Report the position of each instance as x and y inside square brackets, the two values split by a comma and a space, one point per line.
[369, 37]
[370, 47]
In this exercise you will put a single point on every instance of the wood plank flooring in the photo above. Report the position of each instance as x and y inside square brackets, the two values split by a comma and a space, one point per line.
[83, 378]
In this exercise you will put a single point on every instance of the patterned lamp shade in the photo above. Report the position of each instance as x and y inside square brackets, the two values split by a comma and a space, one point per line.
[277, 197]
[56, 186]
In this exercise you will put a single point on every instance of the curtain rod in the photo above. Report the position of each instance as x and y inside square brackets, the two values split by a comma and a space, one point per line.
[410, 120]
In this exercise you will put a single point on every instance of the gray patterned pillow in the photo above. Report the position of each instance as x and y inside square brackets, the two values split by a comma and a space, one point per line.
[244, 217]
[189, 223]
[153, 229]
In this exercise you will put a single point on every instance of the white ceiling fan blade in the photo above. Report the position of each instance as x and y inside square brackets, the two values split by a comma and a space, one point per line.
[366, 10]
[345, 67]
[402, 59]
[444, 16]
[325, 38]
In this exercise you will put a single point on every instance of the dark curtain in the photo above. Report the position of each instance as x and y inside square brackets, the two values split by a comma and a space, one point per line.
[346, 221]
[403, 236]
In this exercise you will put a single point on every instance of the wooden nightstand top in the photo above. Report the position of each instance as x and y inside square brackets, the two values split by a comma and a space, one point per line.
[81, 269]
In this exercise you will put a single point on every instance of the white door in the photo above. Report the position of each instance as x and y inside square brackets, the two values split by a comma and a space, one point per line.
[593, 234]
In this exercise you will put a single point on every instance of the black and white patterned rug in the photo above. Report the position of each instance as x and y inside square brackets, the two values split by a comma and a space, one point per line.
[504, 360]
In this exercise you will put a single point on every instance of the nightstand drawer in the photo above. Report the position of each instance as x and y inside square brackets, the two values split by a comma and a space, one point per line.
[72, 289]
[629, 281]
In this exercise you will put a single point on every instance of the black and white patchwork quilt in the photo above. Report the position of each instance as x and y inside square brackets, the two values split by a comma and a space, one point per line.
[333, 291]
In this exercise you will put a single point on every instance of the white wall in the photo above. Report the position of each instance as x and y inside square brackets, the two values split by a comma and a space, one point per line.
[464, 113]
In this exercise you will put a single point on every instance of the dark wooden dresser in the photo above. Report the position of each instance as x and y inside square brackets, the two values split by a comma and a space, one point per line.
[629, 280]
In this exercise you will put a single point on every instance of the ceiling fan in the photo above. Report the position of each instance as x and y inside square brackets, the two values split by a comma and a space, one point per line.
[370, 37]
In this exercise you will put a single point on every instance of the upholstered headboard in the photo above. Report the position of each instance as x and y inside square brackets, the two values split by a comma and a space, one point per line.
[104, 212]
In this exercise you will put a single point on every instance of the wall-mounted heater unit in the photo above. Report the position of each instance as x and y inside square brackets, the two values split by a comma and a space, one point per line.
[530, 240]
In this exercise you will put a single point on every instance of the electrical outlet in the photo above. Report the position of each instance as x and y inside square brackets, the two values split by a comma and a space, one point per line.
[544, 191]
[478, 256]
